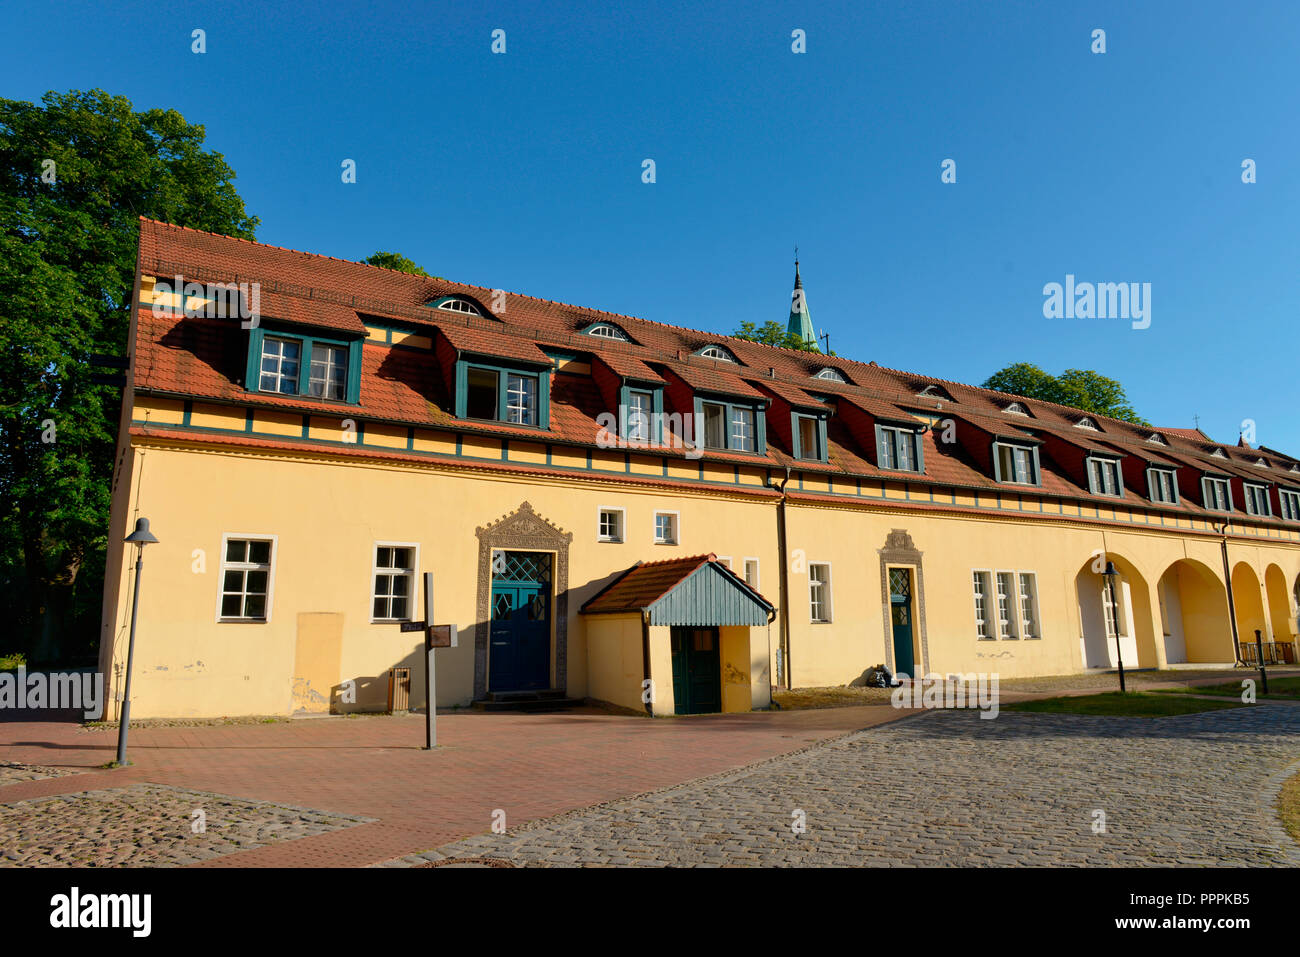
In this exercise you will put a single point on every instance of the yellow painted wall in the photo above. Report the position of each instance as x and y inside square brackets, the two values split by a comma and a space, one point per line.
[614, 659]
[327, 515]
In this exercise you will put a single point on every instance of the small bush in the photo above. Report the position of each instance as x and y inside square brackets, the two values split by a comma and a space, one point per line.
[12, 662]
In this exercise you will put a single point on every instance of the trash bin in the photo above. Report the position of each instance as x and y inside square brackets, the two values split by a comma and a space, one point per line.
[399, 690]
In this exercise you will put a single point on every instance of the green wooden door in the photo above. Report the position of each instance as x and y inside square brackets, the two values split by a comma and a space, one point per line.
[520, 656]
[900, 617]
[697, 671]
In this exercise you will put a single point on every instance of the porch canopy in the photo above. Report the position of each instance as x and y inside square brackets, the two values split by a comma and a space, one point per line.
[696, 591]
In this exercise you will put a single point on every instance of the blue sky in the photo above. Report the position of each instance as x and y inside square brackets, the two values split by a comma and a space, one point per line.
[523, 171]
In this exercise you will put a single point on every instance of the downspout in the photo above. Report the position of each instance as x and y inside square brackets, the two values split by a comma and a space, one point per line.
[645, 660]
[784, 643]
[1227, 577]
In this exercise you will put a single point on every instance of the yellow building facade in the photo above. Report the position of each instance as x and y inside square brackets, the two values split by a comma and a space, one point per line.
[298, 507]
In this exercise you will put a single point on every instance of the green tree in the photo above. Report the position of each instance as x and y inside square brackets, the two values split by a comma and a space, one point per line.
[76, 172]
[395, 261]
[772, 333]
[1081, 389]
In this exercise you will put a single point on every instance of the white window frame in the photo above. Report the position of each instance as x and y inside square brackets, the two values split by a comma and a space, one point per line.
[676, 526]
[463, 306]
[226, 537]
[1035, 609]
[279, 373]
[757, 568]
[327, 381]
[724, 560]
[622, 524]
[1012, 630]
[984, 624]
[413, 597]
[828, 601]
[607, 330]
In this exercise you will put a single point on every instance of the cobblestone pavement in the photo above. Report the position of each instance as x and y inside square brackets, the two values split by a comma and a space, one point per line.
[13, 773]
[148, 825]
[947, 788]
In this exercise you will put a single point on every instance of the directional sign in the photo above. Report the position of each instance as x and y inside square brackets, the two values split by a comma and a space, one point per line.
[412, 626]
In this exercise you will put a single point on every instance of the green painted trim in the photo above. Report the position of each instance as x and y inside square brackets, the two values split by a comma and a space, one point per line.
[248, 420]
[306, 424]
[542, 378]
[188, 412]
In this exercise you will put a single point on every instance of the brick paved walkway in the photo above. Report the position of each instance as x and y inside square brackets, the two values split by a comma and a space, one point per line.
[530, 766]
[946, 788]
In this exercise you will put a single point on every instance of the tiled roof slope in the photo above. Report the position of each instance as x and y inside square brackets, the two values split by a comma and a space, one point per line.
[198, 358]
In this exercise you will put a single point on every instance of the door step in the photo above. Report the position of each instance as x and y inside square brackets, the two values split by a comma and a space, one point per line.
[552, 699]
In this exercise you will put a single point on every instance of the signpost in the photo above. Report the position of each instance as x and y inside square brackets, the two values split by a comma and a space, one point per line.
[435, 636]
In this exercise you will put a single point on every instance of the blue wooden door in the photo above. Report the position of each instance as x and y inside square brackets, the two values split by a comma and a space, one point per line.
[900, 617]
[520, 635]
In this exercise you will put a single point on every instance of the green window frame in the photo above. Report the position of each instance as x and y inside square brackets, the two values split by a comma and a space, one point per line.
[1220, 500]
[798, 421]
[1021, 460]
[1257, 502]
[1105, 477]
[1158, 480]
[899, 449]
[626, 394]
[730, 421]
[510, 384]
[1290, 504]
[306, 342]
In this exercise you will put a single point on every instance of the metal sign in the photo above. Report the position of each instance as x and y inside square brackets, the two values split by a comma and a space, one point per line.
[412, 626]
[442, 636]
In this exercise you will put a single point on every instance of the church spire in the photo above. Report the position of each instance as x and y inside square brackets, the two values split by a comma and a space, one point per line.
[800, 319]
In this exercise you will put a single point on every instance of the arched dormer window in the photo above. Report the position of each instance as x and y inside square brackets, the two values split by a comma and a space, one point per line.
[1155, 438]
[1087, 423]
[1219, 453]
[715, 351]
[606, 330]
[831, 375]
[933, 391]
[1015, 408]
[456, 304]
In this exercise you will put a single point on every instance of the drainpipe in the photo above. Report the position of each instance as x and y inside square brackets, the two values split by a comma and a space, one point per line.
[1227, 577]
[645, 659]
[783, 680]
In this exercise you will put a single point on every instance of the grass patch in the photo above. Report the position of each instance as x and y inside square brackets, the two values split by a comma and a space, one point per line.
[1134, 704]
[1277, 687]
[1288, 806]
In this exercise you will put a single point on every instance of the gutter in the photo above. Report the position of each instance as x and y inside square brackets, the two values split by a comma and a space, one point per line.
[783, 679]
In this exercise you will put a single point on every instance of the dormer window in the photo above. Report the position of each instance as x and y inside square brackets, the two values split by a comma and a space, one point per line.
[457, 304]
[933, 391]
[1257, 500]
[1155, 438]
[1015, 408]
[1219, 453]
[303, 364]
[1216, 494]
[715, 351]
[1262, 463]
[1017, 464]
[1104, 477]
[831, 375]
[1087, 423]
[607, 330]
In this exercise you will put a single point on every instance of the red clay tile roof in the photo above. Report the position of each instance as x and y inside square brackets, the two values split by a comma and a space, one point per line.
[204, 359]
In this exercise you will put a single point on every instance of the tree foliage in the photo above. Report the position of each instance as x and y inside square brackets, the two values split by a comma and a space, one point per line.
[772, 333]
[76, 172]
[394, 261]
[1078, 388]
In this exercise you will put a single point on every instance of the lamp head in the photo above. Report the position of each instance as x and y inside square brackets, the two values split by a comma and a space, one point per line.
[141, 536]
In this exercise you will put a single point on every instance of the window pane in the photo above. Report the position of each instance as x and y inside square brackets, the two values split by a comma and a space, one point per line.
[808, 444]
[255, 606]
[230, 605]
[714, 436]
[381, 607]
[402, 558]
[521, 399]
[255, 582]
[397, 608]
[259, 553]
[481, 394]
[235, 550]
[742, 430]
[886, 452]
[234, 581]
[906, 453]
[401, 585]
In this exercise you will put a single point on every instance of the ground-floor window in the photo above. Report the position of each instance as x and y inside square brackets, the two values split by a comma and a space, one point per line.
[1029, 604]
[394, 578]
[246, 579]
[819, 591]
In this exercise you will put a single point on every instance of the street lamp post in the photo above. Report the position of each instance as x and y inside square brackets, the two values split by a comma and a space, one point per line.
[1110, 574]
[139, 538]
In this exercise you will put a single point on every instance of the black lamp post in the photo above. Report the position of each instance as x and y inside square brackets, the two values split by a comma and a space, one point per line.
[139, 538]
[1110, 574]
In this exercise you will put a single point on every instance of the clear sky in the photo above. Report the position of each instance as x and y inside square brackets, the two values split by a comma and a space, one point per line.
[524, 171]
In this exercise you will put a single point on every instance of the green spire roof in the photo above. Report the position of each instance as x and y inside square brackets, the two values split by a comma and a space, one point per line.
[800, 319]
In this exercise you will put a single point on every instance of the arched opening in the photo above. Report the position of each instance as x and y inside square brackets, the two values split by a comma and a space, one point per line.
[1194, 615]
[1111, 629]
[1281, 613]
[1248, 597]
